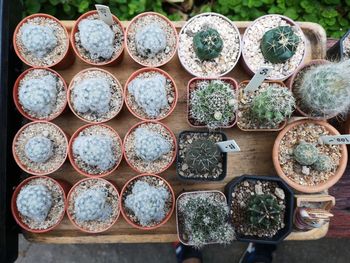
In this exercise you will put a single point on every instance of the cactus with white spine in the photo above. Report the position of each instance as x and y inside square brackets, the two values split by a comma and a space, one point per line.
[38, 149]
[150, 40]
[305, 153]
[324, 163]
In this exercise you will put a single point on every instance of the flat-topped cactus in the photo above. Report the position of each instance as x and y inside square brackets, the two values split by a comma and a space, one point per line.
[324, 163]
[207, 44]
[305, 153]
[39, 149]
[150, 40]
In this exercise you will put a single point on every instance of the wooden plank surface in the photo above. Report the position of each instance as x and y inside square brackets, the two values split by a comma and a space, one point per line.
[254, 158]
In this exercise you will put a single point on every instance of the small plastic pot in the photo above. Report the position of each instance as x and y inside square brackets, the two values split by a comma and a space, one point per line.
[64, 187]
[136, 74]
[336, 52]
[288, 216]
[123, 211]
[18, 104]
[71, 155]
[117, 59]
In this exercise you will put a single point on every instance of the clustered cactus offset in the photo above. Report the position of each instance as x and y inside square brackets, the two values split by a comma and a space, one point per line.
[324, 163]
[207, 44]
[39, 149]
[150, 40]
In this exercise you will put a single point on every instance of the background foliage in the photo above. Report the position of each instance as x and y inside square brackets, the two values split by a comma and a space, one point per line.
[333, 15]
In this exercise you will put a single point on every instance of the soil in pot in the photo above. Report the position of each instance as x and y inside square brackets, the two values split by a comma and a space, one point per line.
[95, 95]
[209, 45]
[40, 148]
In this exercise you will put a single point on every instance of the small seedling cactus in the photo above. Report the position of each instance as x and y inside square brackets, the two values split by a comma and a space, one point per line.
[305, 153]
[279, 44]
[92, 205]
[97, 38]
[38, 40]
[150, 40]
[324, 163]
[39, 149]
[34, 202]
[150, 94]
[149, 145]
[207, 44]
[147, 202]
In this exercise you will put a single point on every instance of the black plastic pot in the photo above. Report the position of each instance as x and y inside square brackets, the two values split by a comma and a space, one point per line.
[179, 160]
[288, 217]
[336, 52]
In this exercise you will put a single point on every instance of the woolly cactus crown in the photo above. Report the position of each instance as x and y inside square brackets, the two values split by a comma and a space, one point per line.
[207, 44]
[97, 38]
[150, 40]
[305, 153]
[35, 202]
[38, 40]
[38, 149]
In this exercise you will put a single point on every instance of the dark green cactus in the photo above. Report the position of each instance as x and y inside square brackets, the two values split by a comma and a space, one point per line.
[207, 44]
[305, 153]
[279, 44]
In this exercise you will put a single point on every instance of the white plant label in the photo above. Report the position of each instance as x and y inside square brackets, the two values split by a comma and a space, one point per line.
[105, 14]
[335, 139]
[258, 79]
[228, 146]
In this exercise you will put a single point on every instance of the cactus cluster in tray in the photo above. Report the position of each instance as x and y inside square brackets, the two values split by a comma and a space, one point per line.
[39, 149]
[207, 44]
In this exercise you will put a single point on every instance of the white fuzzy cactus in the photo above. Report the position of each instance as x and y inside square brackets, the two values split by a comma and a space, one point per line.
[38, 149]
[35, 202]
[150, 146]
[147, 202]
[150, 94]
[150, 40]
[97, 38]
[38, 40]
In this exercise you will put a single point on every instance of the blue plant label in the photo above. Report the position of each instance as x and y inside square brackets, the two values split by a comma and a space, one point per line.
[258, 79]
[335, 139]
[228, 146]
[105, 14]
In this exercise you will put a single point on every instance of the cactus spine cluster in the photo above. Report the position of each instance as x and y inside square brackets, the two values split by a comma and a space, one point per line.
[150, 40]
[305, 153]
[38, 149]
[207, 44]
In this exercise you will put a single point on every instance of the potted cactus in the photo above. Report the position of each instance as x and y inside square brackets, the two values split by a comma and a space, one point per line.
[275, 41]
[150, 147]
[265, 109]
[341, 49]
[199, 158]
[40, 148]
[41, 40]
[150, 94]
[151, 39]
[95, 95]
[202, 218]
[303, 161]
[97, 43]
[209, 45]
[211, 102]
[38, 204]
[147, 201]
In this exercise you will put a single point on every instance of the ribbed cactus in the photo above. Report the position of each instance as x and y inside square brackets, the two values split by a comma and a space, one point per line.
[279, 44]
[150, 40]
[38, 149]
[147, 202]
[35, 202]
[150, 94]
[207, 44]
[97, 38]
[305, 153]
[324, 163]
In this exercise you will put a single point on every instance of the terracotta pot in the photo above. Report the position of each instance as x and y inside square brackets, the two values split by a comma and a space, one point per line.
[117, 59]
[71, 155]
[66, 60]
[69, 197]
[22, 166]
[71, 85]
[63, 185]
[163, 18]
[137, 73]
[231, 81]
[322, 186]
[18, 104]
[128, 220]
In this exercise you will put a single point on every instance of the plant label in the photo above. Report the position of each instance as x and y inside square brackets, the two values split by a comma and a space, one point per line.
[335, 139]
[258, 79]
[228, 146]
[105, 14]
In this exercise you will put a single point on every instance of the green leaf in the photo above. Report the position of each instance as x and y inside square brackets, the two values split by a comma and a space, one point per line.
[32, 6]
[329, 13]
[54, 2]
[205, 8]
[292, 13]
[330, 21]
[343, 22]
[83, 6]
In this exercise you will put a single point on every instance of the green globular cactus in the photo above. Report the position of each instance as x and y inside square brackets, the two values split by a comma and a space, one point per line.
[279, 44]
[264, 211]
[305, 153]
[273, 105]
[203, 156]
[324, 163]
[207, 44]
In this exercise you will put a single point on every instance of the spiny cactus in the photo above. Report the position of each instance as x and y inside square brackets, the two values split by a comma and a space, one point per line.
[97, 38]
[324, 90]
[324, 163]
[150, 94]
[92, 205]
[273, 105]
[149, 145]
[150, 40]
[213, 103]
[147, 202]
[38, 40]
[92, 94]
[207, 44]
[35, 202]
[279, 44]
[305, 153]
[38, 95]
[95, 150]
[263, 211]
[38, 149]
